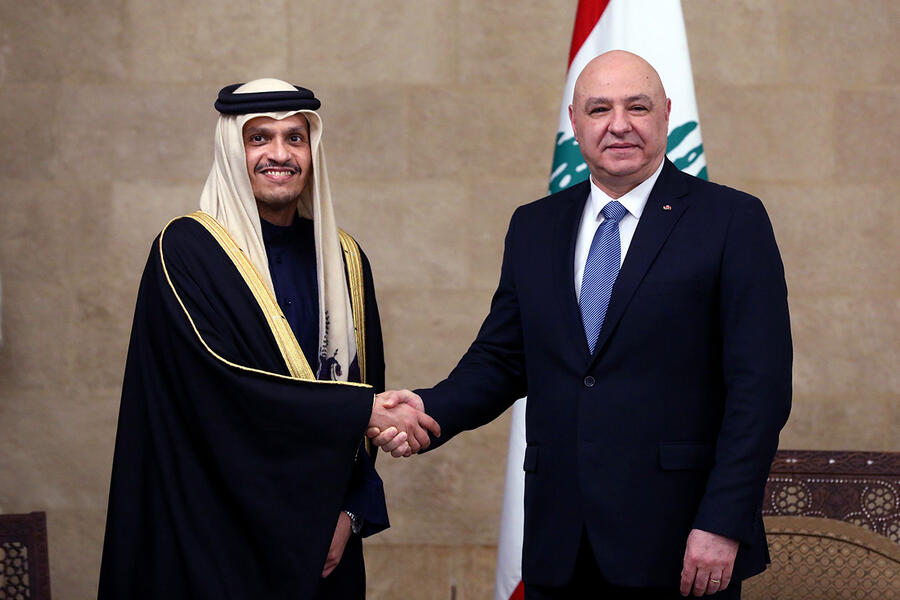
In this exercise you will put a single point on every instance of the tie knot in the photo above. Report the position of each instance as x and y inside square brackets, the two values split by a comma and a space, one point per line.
[614, 211]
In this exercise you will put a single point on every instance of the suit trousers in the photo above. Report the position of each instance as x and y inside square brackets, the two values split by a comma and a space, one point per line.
[588, 583]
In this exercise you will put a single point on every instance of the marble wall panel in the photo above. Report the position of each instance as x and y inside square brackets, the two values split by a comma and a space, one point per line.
[52, 252]
[495, 131]
[53, 42]
[75, 538]
[750, 132]
[867, 125]
[429, 572]
[451, 493]
[826, 422]
[35, 352]
[392, 42]
[29, 139]
[840, 42]
[56, 449]
[410, 232]
[174, 42]
[441, 126]
[426, 332]
[135, 133]
[138, 212]
[99, 330]
[846, 345]
[801, 430]
[103, 307]
[491, 205]
[52, 229]
[738, 46]
[536, 54]
[865, 422]
[365, 133]
[25, 456]
[837, 238]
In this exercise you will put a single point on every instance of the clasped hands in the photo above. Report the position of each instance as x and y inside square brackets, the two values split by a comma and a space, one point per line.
[399, 424]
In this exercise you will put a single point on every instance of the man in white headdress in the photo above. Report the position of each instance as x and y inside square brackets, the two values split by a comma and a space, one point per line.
[240, 467]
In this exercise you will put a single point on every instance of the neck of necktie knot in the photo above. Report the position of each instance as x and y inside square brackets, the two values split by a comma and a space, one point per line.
[614, 211]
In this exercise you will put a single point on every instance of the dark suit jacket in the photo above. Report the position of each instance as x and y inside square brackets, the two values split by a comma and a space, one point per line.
[672, 423]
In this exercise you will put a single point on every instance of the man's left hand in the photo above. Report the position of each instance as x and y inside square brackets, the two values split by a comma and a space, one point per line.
[708, 562]
[338, 543]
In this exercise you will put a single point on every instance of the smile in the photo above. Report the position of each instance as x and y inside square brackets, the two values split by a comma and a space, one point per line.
[277, 173]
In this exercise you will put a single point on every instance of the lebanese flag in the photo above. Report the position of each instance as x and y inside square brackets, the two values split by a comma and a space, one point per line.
[653, 29]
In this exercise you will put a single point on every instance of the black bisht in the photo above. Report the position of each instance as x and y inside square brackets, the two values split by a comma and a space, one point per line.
[228, 474]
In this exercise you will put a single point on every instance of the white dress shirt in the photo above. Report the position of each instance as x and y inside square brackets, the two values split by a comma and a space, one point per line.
[634, 202]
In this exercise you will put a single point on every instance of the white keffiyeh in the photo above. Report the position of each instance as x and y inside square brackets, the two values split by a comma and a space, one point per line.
[228, 197]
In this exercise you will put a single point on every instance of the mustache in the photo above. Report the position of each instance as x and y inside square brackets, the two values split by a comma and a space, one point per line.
[287, 166]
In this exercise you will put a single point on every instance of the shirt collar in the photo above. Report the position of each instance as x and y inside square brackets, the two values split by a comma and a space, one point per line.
[634, 201]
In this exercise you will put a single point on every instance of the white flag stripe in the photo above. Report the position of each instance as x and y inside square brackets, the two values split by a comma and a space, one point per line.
[509, 562]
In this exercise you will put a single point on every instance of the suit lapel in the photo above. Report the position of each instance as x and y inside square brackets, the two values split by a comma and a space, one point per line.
[563, 251]
[665, 205]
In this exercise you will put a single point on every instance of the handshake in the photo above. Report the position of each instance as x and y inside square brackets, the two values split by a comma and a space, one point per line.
[399, 424]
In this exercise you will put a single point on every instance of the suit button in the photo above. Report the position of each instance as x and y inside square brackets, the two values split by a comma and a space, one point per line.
[589, 381]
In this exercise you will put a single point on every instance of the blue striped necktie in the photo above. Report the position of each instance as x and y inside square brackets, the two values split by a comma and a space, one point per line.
[600, 271]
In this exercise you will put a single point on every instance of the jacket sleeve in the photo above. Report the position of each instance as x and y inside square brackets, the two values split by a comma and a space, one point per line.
[756, 363]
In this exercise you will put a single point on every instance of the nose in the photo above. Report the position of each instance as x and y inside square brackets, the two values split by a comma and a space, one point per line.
[279, 151]
[619, 123]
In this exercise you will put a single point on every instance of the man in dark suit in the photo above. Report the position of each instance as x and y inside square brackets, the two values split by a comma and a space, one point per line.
[644, 314]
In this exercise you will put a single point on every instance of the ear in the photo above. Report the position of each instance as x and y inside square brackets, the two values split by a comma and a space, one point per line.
[668, 108]
[572, 120]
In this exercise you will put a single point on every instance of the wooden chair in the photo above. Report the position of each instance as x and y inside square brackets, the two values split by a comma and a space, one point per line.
[24, 564]
[833, 524]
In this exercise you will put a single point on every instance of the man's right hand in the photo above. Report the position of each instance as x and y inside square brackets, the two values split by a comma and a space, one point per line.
[399, 424]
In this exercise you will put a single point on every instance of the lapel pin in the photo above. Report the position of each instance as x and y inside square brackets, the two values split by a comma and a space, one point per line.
[667, 207]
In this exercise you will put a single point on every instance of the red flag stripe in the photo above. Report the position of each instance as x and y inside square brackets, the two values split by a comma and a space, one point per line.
[586, 16]
[519, 592]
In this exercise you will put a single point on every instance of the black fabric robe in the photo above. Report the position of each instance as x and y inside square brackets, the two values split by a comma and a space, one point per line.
[228, 474]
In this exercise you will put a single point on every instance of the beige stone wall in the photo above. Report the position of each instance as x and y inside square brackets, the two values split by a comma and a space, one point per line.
[440, 117]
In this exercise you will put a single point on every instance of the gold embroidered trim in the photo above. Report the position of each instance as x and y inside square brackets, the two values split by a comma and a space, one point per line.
[287, 343]
[187, 314]
[357, 299]
[357, 296]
